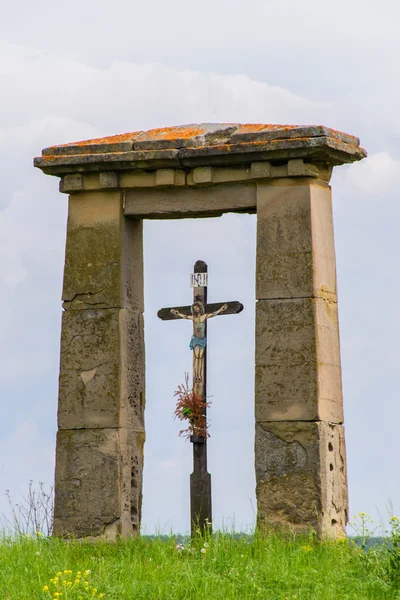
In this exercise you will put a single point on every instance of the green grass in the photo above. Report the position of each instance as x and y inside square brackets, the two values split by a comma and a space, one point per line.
[267, 567]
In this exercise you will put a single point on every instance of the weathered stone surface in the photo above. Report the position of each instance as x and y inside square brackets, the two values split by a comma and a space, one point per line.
[197, 135]
[109, 179]
[95, 475]
[186, 136]
[298, 374]
[295, 246]
[71, 182]
[298, 168]
[198, 176]
[202, 175]
[190, 202]
[253, 132]
[138, 179]
[301, 477]
[170, 177]
[261, 169]
[102, 370]
[104, 256]
[151, 159]
[205, 144]
[322, 149]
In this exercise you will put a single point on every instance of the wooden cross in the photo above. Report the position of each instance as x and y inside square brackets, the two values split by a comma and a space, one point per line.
[199, 312]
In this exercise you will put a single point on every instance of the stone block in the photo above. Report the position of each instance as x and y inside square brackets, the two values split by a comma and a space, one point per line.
[295, 246]
[298, 374]
[95, 471]
[231, 174]
[109, 179]
[88, 467]
[104, 256]
[102, 370]
[301, 477]
[202, 175]
[298, 168]
[138, 178]
[170, 177]
[71, 183]
[260, 169]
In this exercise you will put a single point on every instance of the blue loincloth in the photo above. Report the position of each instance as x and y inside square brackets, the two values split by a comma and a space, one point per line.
[195, 341]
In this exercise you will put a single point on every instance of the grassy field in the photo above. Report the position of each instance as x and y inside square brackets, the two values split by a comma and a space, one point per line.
[222, 567]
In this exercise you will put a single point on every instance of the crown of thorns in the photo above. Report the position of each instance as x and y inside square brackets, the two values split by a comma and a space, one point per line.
[200, 305]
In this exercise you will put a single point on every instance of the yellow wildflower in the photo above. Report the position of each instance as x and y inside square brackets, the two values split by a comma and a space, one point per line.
[363, 515]
[39, 533]
[59, 574]
[306, 548]
[46, 588]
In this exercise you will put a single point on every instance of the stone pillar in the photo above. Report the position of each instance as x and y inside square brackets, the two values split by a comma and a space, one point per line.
[99, 457]
[299, 444]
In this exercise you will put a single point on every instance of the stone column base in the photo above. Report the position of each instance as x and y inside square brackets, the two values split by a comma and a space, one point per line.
[301, 477]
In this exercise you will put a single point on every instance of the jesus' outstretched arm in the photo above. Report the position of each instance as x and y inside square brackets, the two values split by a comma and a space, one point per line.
[182, 316]
[217, 312]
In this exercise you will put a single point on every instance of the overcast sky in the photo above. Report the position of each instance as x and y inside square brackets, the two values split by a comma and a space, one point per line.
[93, 68]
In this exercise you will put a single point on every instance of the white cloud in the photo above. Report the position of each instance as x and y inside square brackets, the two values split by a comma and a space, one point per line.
[378, 173]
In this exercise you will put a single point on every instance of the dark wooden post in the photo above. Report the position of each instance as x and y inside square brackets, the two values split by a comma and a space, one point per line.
[200, 479]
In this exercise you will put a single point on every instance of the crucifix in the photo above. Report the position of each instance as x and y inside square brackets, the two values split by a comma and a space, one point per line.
[199, 313]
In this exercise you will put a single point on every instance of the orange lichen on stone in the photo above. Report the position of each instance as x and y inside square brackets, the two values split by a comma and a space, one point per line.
[52, 156]
[255, 127]
[112, 139]
[162, 133]
[171, 133]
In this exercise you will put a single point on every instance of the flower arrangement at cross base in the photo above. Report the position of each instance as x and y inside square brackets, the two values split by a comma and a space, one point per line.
[190, 407]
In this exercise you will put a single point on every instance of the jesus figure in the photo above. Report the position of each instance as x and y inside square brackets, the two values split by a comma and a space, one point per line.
[198, 341]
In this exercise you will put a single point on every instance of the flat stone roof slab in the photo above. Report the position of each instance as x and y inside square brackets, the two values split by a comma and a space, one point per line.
[203, 144]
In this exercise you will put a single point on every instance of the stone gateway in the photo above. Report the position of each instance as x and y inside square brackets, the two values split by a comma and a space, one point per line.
[282, 174]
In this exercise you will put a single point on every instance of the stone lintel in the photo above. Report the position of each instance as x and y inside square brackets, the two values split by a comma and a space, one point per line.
[203, 145]
[190, 202]
[301, 477]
